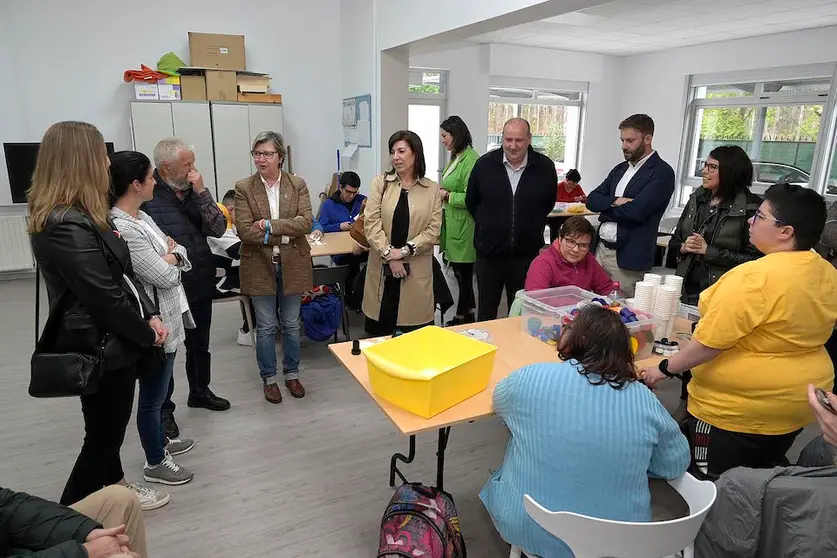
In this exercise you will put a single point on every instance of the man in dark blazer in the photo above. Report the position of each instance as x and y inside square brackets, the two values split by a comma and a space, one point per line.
[510, 193]
[631, 202]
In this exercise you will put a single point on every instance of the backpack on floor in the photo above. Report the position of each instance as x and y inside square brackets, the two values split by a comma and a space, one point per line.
[421, 521]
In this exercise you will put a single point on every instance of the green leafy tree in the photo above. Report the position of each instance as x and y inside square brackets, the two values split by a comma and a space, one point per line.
[556, 141]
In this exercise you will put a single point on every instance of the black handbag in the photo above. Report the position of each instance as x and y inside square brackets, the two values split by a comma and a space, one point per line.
[61, 374]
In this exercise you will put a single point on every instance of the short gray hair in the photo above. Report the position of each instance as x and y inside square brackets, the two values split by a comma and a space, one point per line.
[276, 139]
[168, 150]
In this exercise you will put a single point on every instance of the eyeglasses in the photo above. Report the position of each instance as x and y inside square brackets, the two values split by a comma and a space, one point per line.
[711, 167]
[265, 154]
[572, 244]
[350, 192]
[759, 215]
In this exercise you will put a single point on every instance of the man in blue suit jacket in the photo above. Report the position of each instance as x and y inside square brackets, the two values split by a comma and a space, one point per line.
[631, 202]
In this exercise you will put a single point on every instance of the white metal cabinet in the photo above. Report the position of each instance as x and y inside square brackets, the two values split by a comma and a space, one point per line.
[192, 124]
[231, 133]
[152, 121]
[264, 118]
[234, 127]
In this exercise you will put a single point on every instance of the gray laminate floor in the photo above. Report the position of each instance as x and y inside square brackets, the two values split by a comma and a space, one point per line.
[304, 478]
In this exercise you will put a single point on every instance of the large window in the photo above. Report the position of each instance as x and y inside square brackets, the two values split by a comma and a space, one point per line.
[782, 124]
[554, 116]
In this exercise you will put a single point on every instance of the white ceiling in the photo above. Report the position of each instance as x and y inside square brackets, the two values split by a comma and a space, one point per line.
[628, 27]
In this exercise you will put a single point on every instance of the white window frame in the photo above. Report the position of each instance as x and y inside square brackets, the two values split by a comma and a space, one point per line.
[828, 123]
[546, 86]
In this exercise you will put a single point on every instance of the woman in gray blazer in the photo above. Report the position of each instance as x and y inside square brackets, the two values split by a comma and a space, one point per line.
[158, 262]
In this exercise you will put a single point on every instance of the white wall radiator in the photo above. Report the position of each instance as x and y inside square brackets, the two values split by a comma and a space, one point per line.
[15, 249]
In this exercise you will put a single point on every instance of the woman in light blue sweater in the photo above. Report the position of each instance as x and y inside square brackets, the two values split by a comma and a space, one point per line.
[585, 436]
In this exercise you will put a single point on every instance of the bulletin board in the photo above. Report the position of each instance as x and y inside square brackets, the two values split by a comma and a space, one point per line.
[357, 121]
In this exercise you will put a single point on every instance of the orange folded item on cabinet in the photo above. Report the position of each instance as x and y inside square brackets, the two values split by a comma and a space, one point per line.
[143, 74]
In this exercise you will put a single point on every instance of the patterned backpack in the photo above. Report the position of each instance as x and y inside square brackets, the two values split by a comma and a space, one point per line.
[421, 522]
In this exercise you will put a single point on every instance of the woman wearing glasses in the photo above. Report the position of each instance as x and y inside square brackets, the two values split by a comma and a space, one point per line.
[759, 342]
[568, 261]
[711, 236]
[272, 216]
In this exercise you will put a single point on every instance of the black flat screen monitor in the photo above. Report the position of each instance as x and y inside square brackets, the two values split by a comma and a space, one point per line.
[20, 163]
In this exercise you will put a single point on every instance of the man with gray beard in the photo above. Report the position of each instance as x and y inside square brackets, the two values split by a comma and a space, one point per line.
[184, 210]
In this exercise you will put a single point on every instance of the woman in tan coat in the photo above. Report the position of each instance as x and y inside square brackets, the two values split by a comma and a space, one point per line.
[402, 222]
[272, 216]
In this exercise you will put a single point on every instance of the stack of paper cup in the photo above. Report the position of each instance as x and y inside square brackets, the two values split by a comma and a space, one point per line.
[664, 303]
[677, 282]
[655, 280]
[644, 296]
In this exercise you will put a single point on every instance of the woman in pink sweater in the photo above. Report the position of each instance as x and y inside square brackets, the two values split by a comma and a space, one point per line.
[568, 261]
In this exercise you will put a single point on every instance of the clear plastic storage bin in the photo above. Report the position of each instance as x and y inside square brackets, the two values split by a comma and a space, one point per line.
[544, 312]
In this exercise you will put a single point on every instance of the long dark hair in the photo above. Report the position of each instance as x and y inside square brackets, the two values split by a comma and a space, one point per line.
[599, 341]
[735, 171]
[412, 139]
[125, 167]
[457, 129]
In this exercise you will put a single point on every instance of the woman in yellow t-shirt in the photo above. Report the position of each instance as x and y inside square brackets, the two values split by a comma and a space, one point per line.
[759, 342]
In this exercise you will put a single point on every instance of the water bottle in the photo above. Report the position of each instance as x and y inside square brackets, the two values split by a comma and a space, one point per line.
[616, 294]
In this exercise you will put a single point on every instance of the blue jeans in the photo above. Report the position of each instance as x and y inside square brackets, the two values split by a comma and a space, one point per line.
[266, 325]
[152, 392]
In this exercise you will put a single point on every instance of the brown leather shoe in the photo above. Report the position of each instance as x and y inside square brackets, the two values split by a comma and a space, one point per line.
[295, 388]
[272, 393]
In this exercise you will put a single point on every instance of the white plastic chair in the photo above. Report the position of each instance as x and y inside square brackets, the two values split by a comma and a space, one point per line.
[590, 537]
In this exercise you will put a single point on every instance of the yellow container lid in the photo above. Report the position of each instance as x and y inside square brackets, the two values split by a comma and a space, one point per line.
[425, 353]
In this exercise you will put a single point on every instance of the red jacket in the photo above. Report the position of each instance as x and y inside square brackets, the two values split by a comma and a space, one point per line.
[574, 195]
[550, 269]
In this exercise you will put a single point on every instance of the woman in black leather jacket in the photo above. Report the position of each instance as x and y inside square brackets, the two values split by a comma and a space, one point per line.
[712, 235]
[89, 280]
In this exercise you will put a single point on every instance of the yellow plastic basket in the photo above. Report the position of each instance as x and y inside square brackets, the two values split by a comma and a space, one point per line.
[429, 370]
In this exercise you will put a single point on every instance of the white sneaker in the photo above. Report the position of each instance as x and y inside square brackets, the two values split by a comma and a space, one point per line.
[150, 499]
[245, 338]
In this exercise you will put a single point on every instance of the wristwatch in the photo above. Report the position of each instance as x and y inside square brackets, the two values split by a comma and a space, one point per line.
[663, 367]
[405, 251]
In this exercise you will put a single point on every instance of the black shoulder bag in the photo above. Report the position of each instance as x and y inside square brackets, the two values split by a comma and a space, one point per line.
[61, 374]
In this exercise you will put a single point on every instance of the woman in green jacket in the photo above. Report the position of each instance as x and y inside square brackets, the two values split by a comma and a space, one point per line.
[457, 239]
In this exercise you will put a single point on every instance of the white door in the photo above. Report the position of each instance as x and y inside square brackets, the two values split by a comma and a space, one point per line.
[192, 125]
[423, 118]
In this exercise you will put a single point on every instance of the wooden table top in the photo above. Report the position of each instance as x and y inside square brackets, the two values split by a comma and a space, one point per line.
[333, 244]
[515, 349]
[585, 213]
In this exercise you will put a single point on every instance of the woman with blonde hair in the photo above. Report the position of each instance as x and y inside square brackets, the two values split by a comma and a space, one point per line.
[92, 292]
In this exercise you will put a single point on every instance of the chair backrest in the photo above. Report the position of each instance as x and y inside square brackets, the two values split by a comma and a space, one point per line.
[590, 537]
[667, 226]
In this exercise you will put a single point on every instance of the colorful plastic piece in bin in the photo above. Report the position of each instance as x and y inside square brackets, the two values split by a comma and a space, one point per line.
[549, 334]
